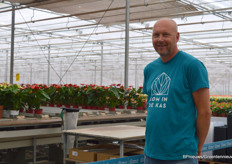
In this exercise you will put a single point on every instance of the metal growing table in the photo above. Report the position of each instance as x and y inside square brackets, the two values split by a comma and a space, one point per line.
[120, 133]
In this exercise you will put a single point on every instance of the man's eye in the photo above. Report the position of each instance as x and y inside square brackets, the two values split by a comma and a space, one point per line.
[155, 35]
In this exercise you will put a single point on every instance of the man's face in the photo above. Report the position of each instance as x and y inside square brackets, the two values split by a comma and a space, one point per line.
[165, 38]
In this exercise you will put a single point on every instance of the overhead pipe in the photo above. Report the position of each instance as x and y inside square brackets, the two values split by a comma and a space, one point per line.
[12, 45]
[101, 63]
[127, 43]
[49, 55]
[6, 67]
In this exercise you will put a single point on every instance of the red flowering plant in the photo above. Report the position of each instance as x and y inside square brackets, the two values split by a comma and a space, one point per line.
[58, 97]
[130, 95]
[66, 92]
[75, 95]
[112, 99]
[83, 96]
[121, 92]
[140, 98]
[51, 92]
[101, 94]
[34, 96]
[222, 108]
[91, 93]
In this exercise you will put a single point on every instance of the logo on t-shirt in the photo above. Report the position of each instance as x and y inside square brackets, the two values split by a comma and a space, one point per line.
[160, 85]
[159, 91]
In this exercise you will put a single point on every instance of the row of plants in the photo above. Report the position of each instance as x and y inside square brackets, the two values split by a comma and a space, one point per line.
[15, 96]
[221, 99]
[220, 108]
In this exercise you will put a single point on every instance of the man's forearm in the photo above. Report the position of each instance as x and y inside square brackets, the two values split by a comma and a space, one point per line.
[203, 124]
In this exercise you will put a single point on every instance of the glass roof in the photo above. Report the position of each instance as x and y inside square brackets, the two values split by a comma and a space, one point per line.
[61, 37]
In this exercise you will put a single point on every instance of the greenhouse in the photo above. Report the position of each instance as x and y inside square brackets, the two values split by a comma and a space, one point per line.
[89, 56]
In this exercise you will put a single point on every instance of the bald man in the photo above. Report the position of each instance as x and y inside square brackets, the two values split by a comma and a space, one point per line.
[178, 110]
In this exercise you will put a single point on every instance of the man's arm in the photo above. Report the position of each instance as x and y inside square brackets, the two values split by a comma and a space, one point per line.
[202, 100]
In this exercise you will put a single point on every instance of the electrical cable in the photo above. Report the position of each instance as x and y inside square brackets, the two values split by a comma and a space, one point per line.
[86, 41]
[40, 46]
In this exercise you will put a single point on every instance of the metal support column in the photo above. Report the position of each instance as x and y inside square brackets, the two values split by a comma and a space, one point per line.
[61, 70]
[101, 63]
[95, 72]
[12, 45]
[34, 150]
[127, 43]
[49, 53]
[30, 73]
[136, 77]
[6, 68]
[64, 147]
[121, 149]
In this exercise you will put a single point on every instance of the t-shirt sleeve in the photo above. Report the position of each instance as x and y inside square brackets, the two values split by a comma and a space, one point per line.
[197, 76]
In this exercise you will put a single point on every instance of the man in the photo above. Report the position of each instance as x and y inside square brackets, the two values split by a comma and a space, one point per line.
[178, 107]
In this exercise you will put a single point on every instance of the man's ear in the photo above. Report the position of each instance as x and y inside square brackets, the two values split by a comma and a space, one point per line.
[177, 36]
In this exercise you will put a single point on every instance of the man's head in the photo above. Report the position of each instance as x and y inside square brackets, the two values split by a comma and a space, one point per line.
[165, 37]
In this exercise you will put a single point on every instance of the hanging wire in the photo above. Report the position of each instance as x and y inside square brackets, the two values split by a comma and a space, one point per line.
[67, 24]
[223, 25]
[78, 53]
[33, 16]
[41, 48]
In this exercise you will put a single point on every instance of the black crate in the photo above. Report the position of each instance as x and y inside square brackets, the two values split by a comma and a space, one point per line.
[229, 125]
[220, 134]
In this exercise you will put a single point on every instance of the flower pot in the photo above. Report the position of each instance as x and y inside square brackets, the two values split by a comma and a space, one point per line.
[89, 107]
[38, 111]
[1, 110]
[75, 106]
[121, 107]
[100, 108]
[139, 108]
[67, 105]
[21, 110]
[223, 115]
[215, 114]
[14, 112]
[30, 111]
[129, 107]
[112, 109]
[58, 105]
[51, 105]
[6, 113]
[94, 107]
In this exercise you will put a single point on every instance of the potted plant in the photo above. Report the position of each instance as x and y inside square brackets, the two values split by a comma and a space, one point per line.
[51, 92]
[12, 99]
[75, 96]
[122, 100]
[112, 98]
[1, 100]
[83, 96]
[130, 95]
[140, 99]
[34, 97]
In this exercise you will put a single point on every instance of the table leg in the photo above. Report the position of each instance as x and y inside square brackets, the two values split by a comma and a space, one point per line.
[121, 149]
[34, 150]
[76, 141]
[64, 147]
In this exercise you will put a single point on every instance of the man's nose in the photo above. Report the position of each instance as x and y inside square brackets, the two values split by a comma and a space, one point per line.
[160, 38]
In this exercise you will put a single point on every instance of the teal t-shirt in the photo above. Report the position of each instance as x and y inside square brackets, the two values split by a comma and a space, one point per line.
[171, 112]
